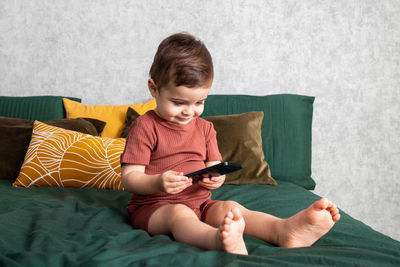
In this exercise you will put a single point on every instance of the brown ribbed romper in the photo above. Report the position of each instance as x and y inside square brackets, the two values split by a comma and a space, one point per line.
[161, 146]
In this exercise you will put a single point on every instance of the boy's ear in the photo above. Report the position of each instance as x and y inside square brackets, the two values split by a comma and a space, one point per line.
[152, 87]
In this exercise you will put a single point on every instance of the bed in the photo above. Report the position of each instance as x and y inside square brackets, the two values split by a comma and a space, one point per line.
[70, 224]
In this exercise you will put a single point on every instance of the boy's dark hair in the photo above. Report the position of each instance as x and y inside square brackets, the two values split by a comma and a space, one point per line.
[183, 59]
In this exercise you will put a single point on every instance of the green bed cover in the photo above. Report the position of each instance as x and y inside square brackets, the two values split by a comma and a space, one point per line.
[89, 227]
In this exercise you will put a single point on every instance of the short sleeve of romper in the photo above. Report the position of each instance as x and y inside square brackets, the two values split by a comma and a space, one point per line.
[139, 143]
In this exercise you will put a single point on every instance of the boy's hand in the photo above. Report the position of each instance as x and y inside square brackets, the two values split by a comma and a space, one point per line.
[173, 182]
[213, 182]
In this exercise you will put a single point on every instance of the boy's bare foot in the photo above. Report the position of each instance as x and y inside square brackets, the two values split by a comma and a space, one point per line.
[231, 233]
[307, 226]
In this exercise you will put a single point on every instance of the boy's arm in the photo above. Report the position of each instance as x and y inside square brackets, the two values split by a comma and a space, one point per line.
[136, 181]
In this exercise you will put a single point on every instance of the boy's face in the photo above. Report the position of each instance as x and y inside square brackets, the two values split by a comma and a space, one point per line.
[179, 104]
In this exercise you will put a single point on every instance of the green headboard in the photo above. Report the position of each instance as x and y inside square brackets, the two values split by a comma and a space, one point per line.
[286, 130]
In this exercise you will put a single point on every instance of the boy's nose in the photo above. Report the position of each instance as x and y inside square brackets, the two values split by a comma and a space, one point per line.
[188, 111]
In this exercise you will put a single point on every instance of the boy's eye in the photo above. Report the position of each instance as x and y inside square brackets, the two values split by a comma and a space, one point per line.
[179, 103]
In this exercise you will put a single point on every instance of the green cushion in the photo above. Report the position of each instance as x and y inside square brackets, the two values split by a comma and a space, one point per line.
[42, 108]
[286, 131]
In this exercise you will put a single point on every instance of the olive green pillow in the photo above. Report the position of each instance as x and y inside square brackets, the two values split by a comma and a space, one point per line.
[15, 135]
[239, 140]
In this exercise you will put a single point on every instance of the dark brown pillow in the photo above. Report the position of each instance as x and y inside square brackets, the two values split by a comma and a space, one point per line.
[131, 116]
[15, 135]
[239, 140]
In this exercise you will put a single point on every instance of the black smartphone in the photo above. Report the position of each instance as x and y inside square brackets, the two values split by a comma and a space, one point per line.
[215, 170]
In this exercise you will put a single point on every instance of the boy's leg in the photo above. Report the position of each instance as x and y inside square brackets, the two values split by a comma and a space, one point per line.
[307, 226]
[181, 221]
[258, 224]
[302, 229]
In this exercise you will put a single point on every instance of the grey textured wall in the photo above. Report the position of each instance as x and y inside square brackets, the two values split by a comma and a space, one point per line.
[345, 52]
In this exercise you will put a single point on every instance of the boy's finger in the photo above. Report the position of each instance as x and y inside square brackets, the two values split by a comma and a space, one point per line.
[178, 180]
[183, 178]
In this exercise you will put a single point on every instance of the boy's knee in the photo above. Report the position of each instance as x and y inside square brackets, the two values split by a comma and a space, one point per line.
[229, 205]
[176, 208]
[179, 210]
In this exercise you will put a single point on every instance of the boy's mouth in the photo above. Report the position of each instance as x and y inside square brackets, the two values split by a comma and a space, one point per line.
[184, 120]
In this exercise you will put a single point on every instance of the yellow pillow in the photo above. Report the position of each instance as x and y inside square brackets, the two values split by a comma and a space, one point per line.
[113, 115]
[64, 158]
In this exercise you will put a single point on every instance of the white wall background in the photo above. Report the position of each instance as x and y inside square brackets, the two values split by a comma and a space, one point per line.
[344, 52]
